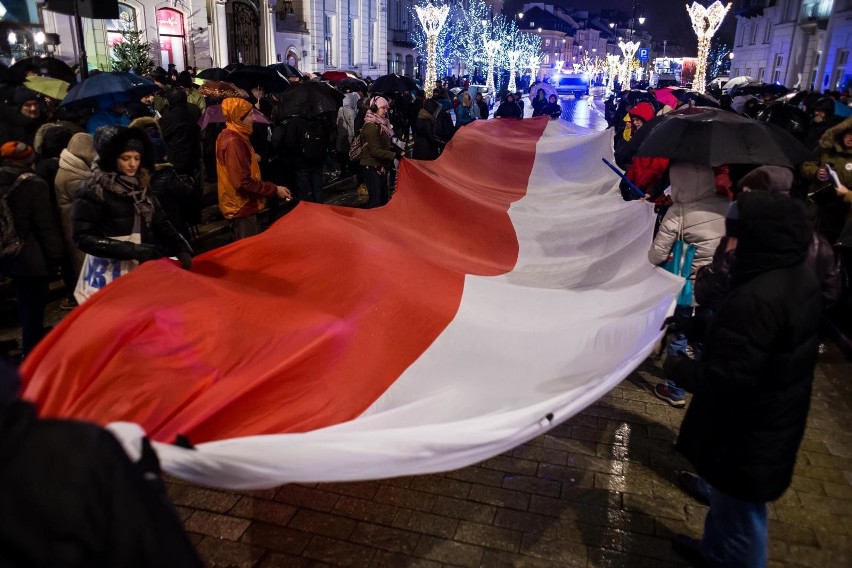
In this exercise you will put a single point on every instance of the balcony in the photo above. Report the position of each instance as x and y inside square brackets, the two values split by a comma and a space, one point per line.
[402, 38]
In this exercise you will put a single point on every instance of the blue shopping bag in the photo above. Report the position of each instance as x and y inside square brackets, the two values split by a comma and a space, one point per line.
[680, 264]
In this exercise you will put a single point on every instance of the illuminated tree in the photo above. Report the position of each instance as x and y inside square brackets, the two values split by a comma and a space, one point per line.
[705, 22]
[718, 62]
[431, 19]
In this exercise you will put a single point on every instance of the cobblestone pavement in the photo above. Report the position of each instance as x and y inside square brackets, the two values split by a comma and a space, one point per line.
[598, 490]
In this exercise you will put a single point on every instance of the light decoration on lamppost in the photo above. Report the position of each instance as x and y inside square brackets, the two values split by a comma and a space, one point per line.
[513, 54]
[628, 49]
[432, 19]
[492, 47]
[705, 22]
[534, 63]
[612, 66]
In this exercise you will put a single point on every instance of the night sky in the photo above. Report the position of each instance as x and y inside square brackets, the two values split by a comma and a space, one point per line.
[666, 19]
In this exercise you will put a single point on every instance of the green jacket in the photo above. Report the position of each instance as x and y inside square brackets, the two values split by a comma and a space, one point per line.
[193, 97]
[376, 149]
[831, 218]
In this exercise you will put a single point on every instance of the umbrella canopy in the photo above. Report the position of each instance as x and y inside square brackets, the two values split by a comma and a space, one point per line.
[719, 137]
[233, 66]
[456, 90]
[285, 70]
[687, 110]
[741, 80]
[351, 84]
[546, 87]
[309, 99]
[48, 66]
[48, 86]
[221, 90]
[392, 83]
[700, 99]
[666, 97]
[792, 119]
[213, 114]
[759, 89]
[334, 76]
[251, 76]
[841, 109]
[89, 91]
[214, 74]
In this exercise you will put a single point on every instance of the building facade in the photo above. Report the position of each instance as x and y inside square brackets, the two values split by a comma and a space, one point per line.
[802, 44]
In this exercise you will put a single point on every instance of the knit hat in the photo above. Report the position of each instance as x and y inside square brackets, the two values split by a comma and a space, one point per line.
[17, 152]
[103, 136]
[22, 95]
[379, 102]
[644, 111]
[184, 79]
[774, 179]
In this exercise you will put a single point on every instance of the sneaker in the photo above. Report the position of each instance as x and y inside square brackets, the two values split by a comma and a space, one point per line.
[362, 190]
[664, 392]
[689, 483]
[68, 304]
[690, 549]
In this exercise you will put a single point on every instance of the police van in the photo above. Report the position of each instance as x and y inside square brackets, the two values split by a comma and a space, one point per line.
[571, 84]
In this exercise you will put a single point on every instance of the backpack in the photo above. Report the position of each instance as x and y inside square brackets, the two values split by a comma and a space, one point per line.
[10, 242]
[314, 141]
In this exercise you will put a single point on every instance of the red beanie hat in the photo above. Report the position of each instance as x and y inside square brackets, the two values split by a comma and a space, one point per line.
[643, 110]
[17, 152]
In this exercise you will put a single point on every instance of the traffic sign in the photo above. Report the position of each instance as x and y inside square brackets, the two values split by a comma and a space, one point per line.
[643, 54]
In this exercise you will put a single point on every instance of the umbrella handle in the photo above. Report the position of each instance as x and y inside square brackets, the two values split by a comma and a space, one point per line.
[629, 183]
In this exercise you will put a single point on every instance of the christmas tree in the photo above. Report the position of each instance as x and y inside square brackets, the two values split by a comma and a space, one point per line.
[130, 53]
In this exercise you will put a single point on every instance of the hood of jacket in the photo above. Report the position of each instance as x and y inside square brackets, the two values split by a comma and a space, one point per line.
[831, 138]
[691, 182]
[772, 233]
[351, 100]
[82, 146]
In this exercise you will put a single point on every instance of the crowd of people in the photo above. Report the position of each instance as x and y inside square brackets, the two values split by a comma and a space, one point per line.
[766, 250]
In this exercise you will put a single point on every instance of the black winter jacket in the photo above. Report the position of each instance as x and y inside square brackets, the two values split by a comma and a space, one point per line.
[183, 137]
[177, 196]
[35, 224]
[426, 145]
[753, 384]
[100, 214]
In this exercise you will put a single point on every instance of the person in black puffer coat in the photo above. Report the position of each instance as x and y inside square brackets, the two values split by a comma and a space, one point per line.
[179, 125]
[752, 386]
[36, 226]
[117, 197]
[426, 146]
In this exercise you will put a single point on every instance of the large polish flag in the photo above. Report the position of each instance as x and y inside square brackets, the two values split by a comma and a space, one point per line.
[504, 288]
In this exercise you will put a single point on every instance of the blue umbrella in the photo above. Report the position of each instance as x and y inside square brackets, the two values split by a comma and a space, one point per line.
[93, 89]
[841, 109]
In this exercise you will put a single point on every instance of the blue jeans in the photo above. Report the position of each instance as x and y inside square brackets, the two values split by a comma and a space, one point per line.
[735, 531]
[309, 184]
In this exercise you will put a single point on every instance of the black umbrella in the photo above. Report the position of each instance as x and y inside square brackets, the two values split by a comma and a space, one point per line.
[792, 119]
[700, 99]
[233, 66]
[213, 74]
[310, 98]
[6, 76]
[392, 83]
[351, 84]
[759, 89]
[128, 86]
[720, 137]
[47, 66]
[286, 70]
[251, 76]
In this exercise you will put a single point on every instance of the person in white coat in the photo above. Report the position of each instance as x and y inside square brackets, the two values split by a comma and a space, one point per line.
[346, 131]
[697, 215]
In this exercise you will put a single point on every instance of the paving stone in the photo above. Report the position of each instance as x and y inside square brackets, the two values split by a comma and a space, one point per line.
[540, 454]
[274, 537]
[442, 486]
[560, 551]
[590, 535]
[361, 489]
[263, 510]
[523, 521]
[792, 534]
[478, 475]
[830, 541]
[385, 538]
[426, 523]
[605, 558]
[407, 498]
[515, 465]
[384, 559]
[316, 522]
[503, 559]
[449, 551]
[594, 463]
[214, 524]
[466, 510]
[201, 498]
[655, 506]
[363, 510]
[281, 560]
[488, 535]
[338, 552]
[217, 552]
[838, 491]
[624, 484]
[555, 441]
[499, 497]
[532, 485]
[308, 497]
[592, 496]
[570, 476]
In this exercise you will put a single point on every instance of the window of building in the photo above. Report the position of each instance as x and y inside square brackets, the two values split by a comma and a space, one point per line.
[547, 42]
[172, 38]
[328, 45]
[768, 33]
[371, 35]
[840, 77]
[409, 65]
[748, 71]
[754, 26]
[792, 11]
[351, 26]
[398, 64]
[760, 73]
[125, 22]
[740, 34]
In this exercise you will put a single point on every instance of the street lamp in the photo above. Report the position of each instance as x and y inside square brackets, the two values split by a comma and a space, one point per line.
[432, 19]
[705, 22]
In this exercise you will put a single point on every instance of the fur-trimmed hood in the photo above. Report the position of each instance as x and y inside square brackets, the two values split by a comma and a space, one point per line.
[831, 138]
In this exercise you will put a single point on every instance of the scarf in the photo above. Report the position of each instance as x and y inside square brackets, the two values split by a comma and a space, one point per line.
[126, 186]
[71, 163]
[235, 110]
[383, 123]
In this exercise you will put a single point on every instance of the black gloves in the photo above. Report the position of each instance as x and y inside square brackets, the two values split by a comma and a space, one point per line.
[692, 326]
[145, 252]
[185, 260]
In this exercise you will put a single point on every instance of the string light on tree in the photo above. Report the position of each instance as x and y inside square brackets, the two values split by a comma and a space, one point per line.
[432, 19]
[534, 63]
[612, 66]
[628, 49]
[513, 55]
[705, 22]
[492, 47]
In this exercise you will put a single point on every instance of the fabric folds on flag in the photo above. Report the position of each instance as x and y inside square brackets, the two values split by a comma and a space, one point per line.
[503, 289]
